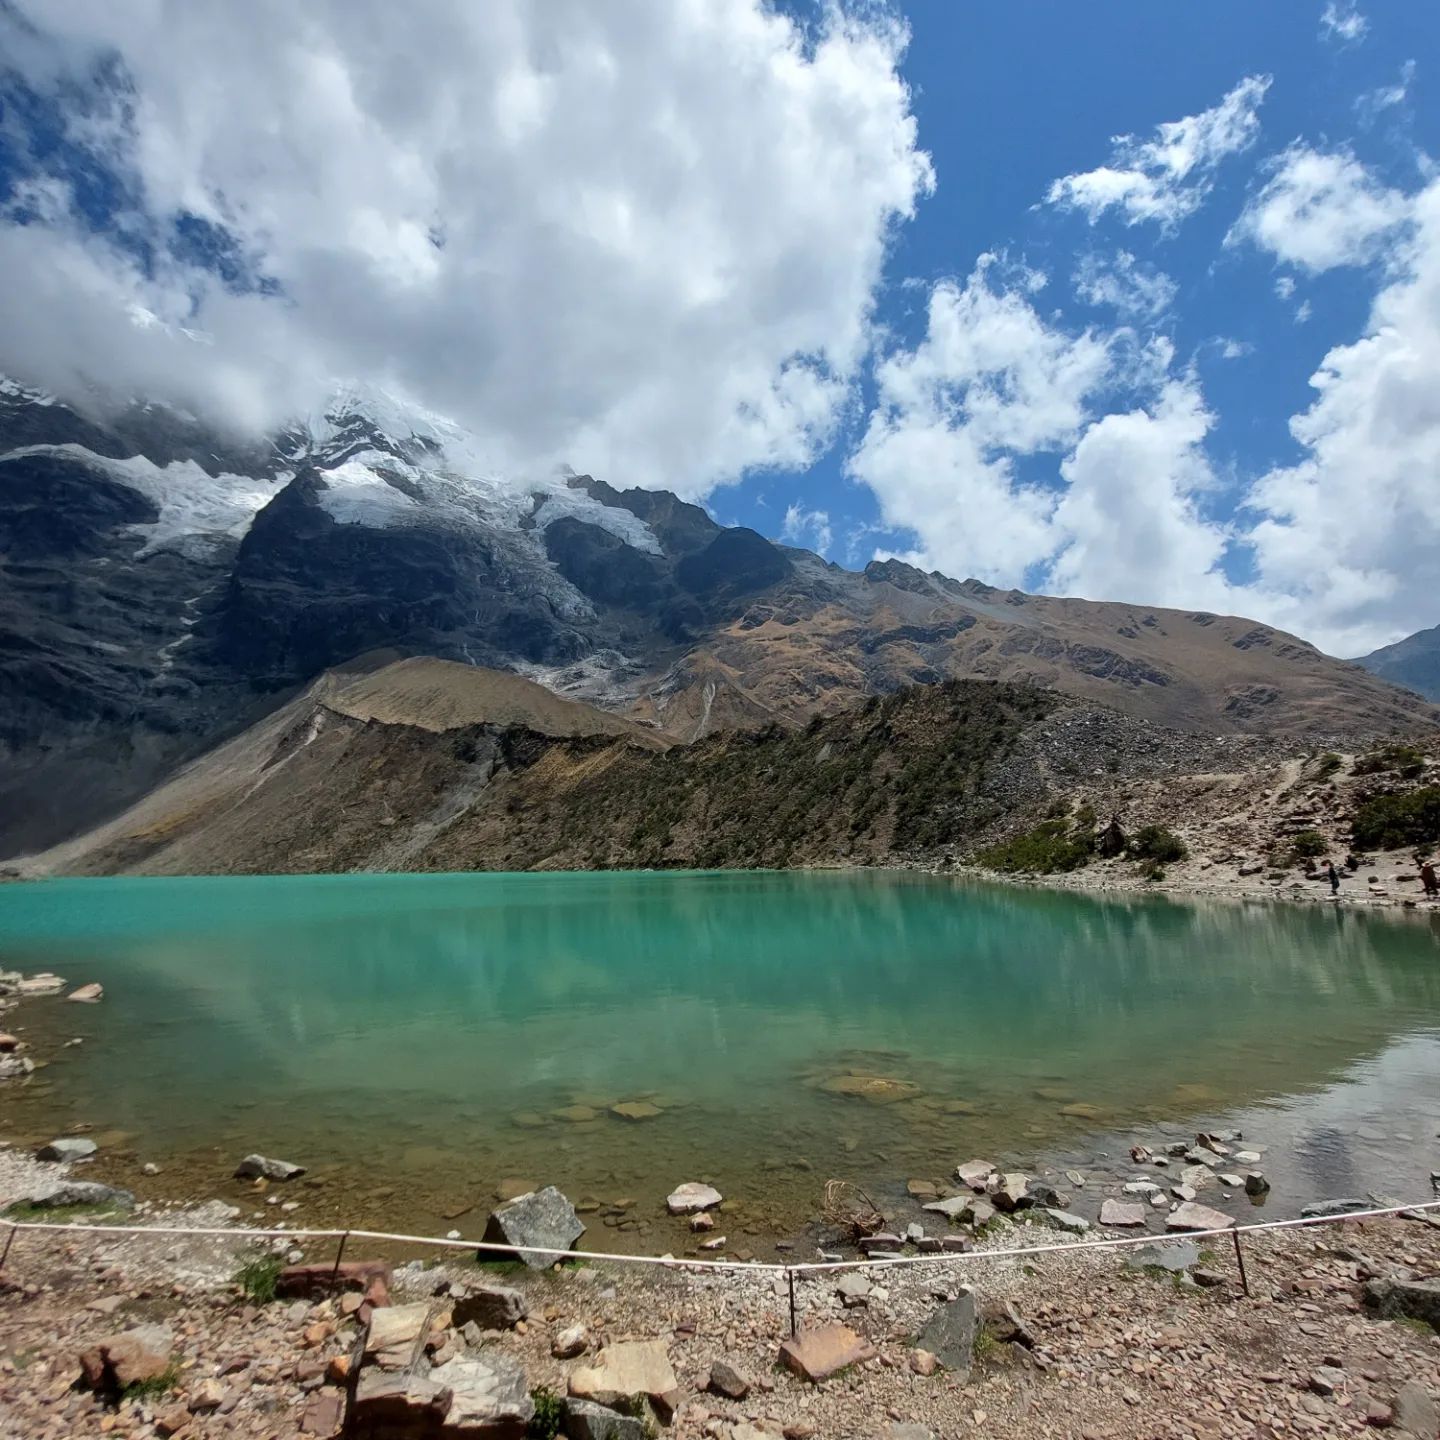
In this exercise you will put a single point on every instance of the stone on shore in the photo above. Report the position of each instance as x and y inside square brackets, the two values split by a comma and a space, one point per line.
[853, 1288]
[132, 1358]
[1118, 1213]
[397, 1333]
[12, 1067]
[544, 1218]
[8, 1043]
[68, 1147]
[568, 1343]
[1010, 1192]
[261, 1167]
[1064, 1220]
[585, 1420]
[821, 1352]
[629, 1371]
[491, 1307]
[1256, 1183]
[691, 1197]
[949, 1334]
[489, 1396]
[1191, 1216]
[1416, 1412]
[87, 994]
[975, 1173]
[84, 1192]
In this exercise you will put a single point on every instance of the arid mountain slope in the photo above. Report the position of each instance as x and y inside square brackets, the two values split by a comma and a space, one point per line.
[1413, 662]
[928, 770]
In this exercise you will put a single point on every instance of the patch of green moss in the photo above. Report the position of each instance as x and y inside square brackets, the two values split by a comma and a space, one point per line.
[156, 1386]
[256, 1278]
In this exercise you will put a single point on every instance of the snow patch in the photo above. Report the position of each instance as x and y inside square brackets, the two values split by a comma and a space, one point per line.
[356, 495]
[619, 523]
[192, 503]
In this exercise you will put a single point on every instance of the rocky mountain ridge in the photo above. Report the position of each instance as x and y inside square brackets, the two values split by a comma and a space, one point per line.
[164, 585]
[1413, 662]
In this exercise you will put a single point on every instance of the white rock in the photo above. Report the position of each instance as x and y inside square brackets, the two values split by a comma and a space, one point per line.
[686, 1199]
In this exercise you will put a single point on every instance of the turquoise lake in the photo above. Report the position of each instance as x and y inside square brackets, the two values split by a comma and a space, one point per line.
[418, 1040]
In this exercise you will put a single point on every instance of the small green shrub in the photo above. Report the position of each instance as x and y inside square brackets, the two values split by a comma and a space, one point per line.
[156, 1386]
[1389, 822]
[1309, 845]
[1155, 842]
[549, 1414]
[1151, 869]
[1327, 765]
[256, 1278]
[1048, 849]
[1085, 817]
[1404, 759]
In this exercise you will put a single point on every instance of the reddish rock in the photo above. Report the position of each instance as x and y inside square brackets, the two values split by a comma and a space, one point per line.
[815, 1355]
[324, 1412]
[130, 1359]
[315, 1282]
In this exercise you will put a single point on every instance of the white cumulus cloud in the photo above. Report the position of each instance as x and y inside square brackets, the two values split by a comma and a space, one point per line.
[1166, 178]
[644, 236]
[801, 525]
[1320, 209]
[1129, 286]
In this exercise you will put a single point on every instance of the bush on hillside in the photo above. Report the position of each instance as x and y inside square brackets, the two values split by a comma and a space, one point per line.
[1050, 848]
[1308, 845]
[1405, 760]
[1327, 765]
[1155, 842]
[1389, 822]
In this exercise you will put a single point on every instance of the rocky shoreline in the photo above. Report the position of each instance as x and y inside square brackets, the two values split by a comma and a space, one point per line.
[159, 1337]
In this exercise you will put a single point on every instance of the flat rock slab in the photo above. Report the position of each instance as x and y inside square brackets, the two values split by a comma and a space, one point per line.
[1121, 1214]
[84, 1192]
[1335, 1207]
[544, 1218]
[691, 1197]
[815, 1355]
[627, 1371]
[67, 1148]
[262, 1167]
[975, 1173]
[397, 1332]
[949, 1334]
[1192, 1216]
[635, 1110]
[1175, 1257]
[585, 1420]
[489, 1397]
[90, 994]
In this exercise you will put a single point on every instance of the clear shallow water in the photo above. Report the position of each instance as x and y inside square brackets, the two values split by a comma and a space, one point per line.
[413, 1038]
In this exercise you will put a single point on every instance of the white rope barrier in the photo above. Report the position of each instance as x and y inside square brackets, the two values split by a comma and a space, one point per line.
[1118, 1242]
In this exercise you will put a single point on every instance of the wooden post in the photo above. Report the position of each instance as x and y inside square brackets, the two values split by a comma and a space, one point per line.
[1240, 1261]
[794, 1324]
[339, 1255]
[9, 1241]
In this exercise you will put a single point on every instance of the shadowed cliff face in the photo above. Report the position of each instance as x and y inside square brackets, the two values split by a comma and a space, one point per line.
[162, 586]
[1413, 662]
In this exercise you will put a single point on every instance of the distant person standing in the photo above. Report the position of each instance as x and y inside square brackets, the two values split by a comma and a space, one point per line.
[1333, 876]
[1428, 880]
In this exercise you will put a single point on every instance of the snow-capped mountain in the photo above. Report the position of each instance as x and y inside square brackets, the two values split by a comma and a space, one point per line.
[163, 584]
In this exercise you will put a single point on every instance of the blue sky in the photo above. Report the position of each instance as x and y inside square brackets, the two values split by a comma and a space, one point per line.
[876, 280]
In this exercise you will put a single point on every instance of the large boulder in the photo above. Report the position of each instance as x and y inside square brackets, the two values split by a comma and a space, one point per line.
[543, 1218]
[1405, 1300]
[144, 1353]
[949, 1334]
[491, 1307]
[627, 1372]
[84, 1192]
[1191, 1216]
[817, 1354]
[489, 1397]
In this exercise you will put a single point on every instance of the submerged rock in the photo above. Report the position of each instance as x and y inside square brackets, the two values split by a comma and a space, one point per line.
[87, 994]
[1335, 1207]
[635, 1110]
[544, 1218]
[878, 1089]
